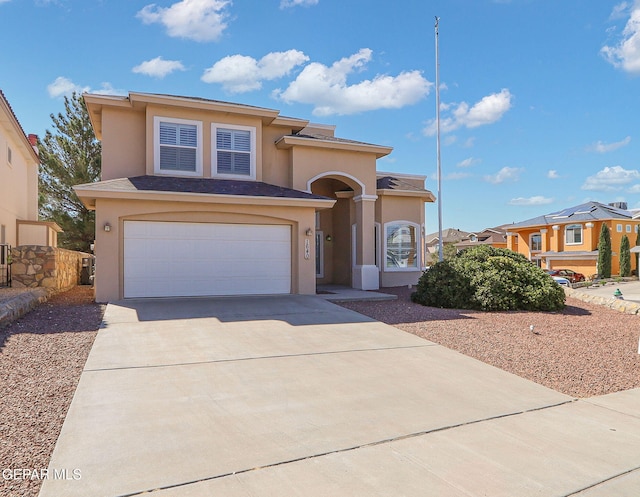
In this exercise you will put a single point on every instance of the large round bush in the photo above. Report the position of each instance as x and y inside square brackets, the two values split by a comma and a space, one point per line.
[489, 279]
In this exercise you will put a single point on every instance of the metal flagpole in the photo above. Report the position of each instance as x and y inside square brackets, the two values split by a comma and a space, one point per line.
[440, 250]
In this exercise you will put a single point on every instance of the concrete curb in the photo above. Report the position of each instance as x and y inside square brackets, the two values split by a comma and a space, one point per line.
[611, 302]
[16, 307]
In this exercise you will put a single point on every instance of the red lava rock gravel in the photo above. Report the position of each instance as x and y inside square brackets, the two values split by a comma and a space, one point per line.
[583, 351]
[41, 358]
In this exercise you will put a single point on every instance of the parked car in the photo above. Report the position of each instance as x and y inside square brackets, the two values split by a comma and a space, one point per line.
[561, 281]
[572, 276]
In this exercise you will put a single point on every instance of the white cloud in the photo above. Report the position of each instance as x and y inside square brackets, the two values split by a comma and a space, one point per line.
[241, 73]
[158, 67]
[4, 1]
[535, 200]
[295, 3]
[327, 90]
[625, 54]
[64, 87]
[611, 179]
[620, 11]
[505, 174]
[198, 20]
[468, 162]
[552, 174]
[608, 147]
[486, 111]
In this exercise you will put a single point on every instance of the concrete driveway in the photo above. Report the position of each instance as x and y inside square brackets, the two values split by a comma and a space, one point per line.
[295, 396]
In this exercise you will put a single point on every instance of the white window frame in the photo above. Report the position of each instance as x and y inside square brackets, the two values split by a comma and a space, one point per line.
[566, 228]
[628, 228]
[619, 228]
[214, 152]
[156, 147]
[417, 247]
[531, 242]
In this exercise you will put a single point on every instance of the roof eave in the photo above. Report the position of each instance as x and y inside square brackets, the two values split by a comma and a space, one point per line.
[426, 194]
[88, 195]
[289, 141]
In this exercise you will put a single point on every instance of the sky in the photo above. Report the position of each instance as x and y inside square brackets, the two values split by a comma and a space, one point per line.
[539, 99]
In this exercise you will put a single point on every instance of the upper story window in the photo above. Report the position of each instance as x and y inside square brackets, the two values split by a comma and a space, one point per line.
[573, 234]
[402, 240]
[619, 228]
[177, 146]
[536, 242]
[234, 152]
[9, 155]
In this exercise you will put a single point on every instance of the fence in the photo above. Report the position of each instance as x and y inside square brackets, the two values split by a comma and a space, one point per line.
[5, 265]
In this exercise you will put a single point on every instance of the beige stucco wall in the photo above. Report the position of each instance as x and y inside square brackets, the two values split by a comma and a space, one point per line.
[109, 247]
[358, 170]
[18, 183]
[36, 234]
[123, 143]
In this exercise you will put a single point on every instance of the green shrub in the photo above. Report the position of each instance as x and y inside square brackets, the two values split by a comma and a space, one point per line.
[489, 279]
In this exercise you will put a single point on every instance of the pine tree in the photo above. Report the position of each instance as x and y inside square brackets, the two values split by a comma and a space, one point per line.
[625, 257]
[69, 156]
[604, 252]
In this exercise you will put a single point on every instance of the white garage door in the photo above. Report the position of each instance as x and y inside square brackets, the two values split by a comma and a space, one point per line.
[167, 259]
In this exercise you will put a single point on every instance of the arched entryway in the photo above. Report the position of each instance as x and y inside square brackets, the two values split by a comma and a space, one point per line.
[345, 238]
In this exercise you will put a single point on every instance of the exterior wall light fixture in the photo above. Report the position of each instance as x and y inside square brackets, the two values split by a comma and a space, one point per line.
[107, 227]
[328, 238]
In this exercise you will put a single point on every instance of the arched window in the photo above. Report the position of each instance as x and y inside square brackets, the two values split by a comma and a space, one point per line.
[536, 242]
[402, 239]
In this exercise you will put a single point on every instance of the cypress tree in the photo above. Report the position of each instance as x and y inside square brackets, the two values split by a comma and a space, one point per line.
[604, 252]
[625, 257]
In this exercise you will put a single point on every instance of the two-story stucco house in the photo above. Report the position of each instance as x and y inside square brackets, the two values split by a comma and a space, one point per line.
[568, 239]
[202, 197]
[18, 175]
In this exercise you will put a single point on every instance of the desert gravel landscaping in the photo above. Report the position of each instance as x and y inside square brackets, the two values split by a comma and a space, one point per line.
[583, 351]
[41, 358]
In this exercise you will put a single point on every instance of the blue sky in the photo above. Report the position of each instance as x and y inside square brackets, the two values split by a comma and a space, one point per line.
[540, 99]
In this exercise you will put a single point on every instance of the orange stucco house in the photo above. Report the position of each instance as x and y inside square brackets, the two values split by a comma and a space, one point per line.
[568, 239]
[202, 197]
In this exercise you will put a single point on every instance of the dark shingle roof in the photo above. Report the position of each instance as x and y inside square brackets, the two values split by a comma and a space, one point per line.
[391, 183]
[215, 186]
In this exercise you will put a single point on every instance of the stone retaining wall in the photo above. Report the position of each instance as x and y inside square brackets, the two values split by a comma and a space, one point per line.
[52, 268]
[610, 302]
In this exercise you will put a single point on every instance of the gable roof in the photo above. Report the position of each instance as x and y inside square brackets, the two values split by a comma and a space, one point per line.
[589, 211]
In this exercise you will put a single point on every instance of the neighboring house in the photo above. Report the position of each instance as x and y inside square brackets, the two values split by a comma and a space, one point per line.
[569, 238]
[449, 236]
[496, 237]
[202, 197]
[19, 162]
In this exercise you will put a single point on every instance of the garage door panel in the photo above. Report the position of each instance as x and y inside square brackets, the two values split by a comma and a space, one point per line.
[198, 259]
